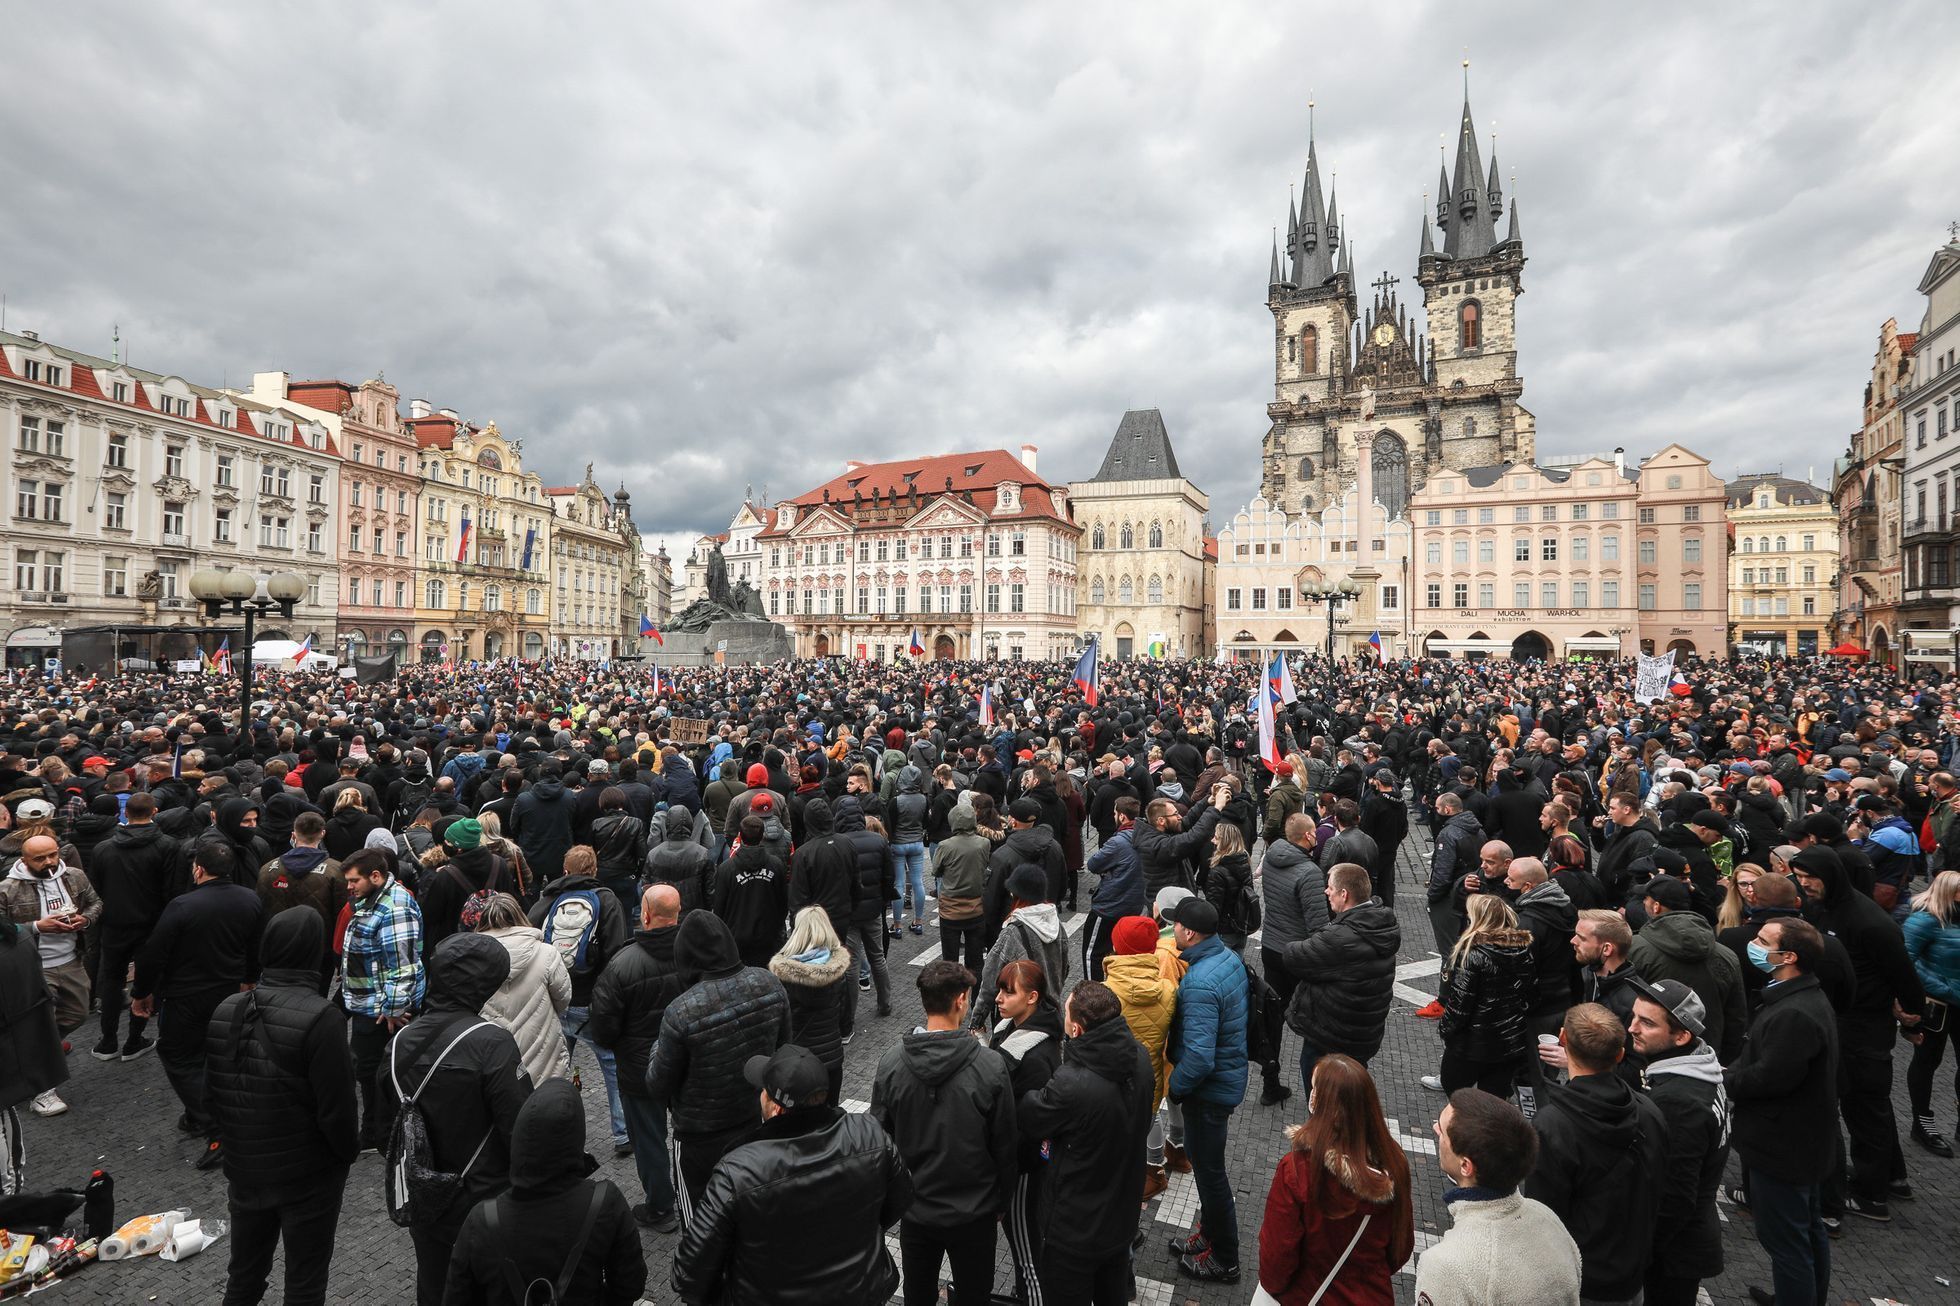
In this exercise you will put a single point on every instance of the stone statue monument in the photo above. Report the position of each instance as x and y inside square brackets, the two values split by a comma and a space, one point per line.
[717, 576]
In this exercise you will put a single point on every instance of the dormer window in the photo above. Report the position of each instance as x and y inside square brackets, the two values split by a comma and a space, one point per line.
[119, 391]
[31, 369]
[54, 375]
[226, 417]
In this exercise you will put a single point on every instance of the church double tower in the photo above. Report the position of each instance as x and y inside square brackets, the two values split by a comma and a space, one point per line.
[1442, 397]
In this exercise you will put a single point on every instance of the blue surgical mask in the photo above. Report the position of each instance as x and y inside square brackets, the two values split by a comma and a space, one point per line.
[1759, 957]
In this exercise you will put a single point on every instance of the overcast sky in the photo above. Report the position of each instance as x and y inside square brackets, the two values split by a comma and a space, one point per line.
[706, 246]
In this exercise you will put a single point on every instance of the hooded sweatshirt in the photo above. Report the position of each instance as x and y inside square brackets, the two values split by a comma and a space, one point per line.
[1679, 945]
[539, 1220]
[1687, 1087]
[1033, 933]
[909, 808]
[949, 1107]
[304, 877]
[1602, 1150]
[961, 865]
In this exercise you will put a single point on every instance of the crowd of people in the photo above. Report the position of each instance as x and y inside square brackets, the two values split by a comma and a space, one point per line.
[389, 917]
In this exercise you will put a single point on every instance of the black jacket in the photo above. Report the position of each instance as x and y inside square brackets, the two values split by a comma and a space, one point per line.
[1624, 848]
[796, 1216]
[1877, 946]
[1551, 917]
[1094, 1114]
[1514, 816]
[678, 860]
[206, 939]
[1687, 1087]
[1784, 1085]
[1227, 884]
[752, 896]
[1034, 846]
[1601, 1149]
[948, 1104]
[474, 1096]
[1385, 819]
[541, 823]
[280, 1077]
[135, 871]
[621, 844]
[629, 999]
[1487, 998]
[1346, 974]
[871, 860]
[824, 870]
[1166, 854]
[539, 1219]
[448, 886]
[730, 1013]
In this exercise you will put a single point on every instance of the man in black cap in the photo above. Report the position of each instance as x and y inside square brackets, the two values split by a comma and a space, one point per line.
[803, 1205]
[1028, 842]
[1209, 1051]
[1676, 943]
[1685, 1081]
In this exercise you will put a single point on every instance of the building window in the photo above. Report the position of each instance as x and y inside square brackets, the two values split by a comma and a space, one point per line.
[1646, 598]
[993, 596]
[1487, 551]
[118, 451]
[1548, 549]
[1521, 594]
[1782, 544]
[1609, 594]
[1486, 516]
[316, 489]
[1521, 549]
[1016, 598]
[1433, 517]
[1470, 327]
[1609, 511]
[1521, 513]
[1258, 598]
[434, 595]
[1459, 516]
[314, 542]
[173, 460]
[1391, 596]
[1809, 606]
[1548, 594]
[1646, 516]
[1748, 544]
[1460, 552]
[1649, 553]
[1580, 511]
[115, 577]
[1810, 574]
[966, 598]
[1809, 543]
[1581, 548]
[221, 526]
[1233, 597]
[1460, 594]
[1486, 595]
[1691, 549]
[1581, 594]
[26, 570]
[1309, 350]
[1691, 512]
[1433, 596]
[1432, 553]
[1126, 594]
[1691, 596]
[1609, 548]
[173, 523]
[1548, 512]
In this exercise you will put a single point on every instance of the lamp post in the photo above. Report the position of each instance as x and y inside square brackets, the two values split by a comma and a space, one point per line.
[237, 591]
[1333, 595]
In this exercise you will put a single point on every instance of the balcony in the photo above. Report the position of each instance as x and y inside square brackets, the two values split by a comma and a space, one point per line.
[173, 540]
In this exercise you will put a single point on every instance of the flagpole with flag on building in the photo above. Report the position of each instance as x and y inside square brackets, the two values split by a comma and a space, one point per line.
[465, 536]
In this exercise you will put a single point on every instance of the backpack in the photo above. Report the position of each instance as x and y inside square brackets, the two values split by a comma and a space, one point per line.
[1251, 912]
[414, 796]
[569, 927]
[473, 897]
[524, 1294]
[416, 1191]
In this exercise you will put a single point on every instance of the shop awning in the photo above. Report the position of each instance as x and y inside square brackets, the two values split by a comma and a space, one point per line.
[1470, 645]
[1592, 644]
[34, 637]
[1848, 650]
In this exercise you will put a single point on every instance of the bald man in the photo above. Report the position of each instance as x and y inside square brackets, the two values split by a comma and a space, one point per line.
[1545, 909]
[628, 1000]
[55, 903]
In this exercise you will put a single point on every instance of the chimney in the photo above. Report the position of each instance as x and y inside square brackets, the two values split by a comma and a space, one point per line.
[450, 413]
[272, 387]
[417, 408]
[1028, 452]
[35, 336]
[1620, 460]
[852, 464]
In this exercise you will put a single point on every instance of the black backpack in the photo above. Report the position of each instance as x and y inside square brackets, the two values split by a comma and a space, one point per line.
[525, 1294]
[416, 1191]
[413, 798]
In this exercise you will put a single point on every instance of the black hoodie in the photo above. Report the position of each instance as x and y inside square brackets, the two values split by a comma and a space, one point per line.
[949, 1106]
[281, 1080]
[1602, 1155]
[1879, 959]
[477, 1090]
[824, 871]
[729, 1013]
[1095, 1114]
[539, 1220]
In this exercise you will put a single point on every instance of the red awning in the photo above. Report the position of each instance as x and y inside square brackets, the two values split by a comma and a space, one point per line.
[1848, 650]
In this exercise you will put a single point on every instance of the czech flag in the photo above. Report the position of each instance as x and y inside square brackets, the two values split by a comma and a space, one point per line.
[1679, 686]
[648, 632]
[1375, 643]
[299, 654]
[656, 682]
[1087, 678]
[915, 648]
[1263, 705]
[1280, 677]
[463, 546]
[986, 705]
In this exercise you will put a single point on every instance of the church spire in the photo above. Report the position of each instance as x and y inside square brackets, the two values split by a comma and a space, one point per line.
[1512, 237]
[1473, 230]
[1272, 277]
[1494, 188]
[1333, 215]
[1428, 243]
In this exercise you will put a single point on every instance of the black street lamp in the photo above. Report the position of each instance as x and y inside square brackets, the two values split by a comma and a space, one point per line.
[1333, 595]
[237, 592]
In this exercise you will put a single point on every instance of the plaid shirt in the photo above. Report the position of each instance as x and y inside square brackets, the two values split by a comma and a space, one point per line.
[381, 967]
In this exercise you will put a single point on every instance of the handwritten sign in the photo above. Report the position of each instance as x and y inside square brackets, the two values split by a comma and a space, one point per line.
[1652, 676]
[687, 730]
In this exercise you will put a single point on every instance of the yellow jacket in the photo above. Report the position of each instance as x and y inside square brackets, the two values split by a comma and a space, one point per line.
[1149, 1000]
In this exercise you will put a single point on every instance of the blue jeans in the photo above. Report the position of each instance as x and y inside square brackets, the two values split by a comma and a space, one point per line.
[1204, 1145]
[646, 1125]
[1790, 1226]
[910, 860]
[573, 1023]
[1309, 1058]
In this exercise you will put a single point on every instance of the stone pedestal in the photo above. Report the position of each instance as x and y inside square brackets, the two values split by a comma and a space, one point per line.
[748, 642]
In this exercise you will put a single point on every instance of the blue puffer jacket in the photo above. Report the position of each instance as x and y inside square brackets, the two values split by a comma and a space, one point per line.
[1207, 1043]
[1935, 953]
[1120, 890]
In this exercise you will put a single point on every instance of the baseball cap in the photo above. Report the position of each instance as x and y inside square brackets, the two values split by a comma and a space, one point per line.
[1837, 774]
[91, 761]
[1682, 1002]
[1024, 809]
[1197, 915]
[791, 1076]
[1670, 893]
[1167, 900]
[1672, 861]
[1284, 769]
[35, 809]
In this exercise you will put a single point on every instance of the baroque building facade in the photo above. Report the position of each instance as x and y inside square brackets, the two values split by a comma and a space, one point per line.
[973, 551]
[119, 483]
[1930, 407]
[1783, 567]
[486, 542]
[596, 587]
[1437, 391]
[1268, 559]
[1870, 496]
[1140, 576]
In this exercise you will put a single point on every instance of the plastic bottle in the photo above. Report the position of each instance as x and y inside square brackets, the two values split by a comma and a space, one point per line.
[99, 1205]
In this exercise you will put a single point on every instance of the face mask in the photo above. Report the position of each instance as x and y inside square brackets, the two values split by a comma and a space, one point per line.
[1759, 957]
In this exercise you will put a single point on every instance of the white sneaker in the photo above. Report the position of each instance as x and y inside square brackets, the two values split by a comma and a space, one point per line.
[1434, 1083]
[48, 1104]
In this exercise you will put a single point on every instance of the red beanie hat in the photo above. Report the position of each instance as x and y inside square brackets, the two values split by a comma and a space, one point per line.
[1133, 935]
[758, 775]
[894, 738]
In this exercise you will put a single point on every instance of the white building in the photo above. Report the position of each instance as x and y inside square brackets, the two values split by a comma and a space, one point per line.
[1931, 405]
[1268, 559]
[121, 483]
[1141, 585]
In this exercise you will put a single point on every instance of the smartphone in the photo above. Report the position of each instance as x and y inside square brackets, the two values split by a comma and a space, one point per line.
[1932, 1018]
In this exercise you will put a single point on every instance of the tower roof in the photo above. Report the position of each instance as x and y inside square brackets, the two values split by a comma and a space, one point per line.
[1140, 451]
[1469, 227]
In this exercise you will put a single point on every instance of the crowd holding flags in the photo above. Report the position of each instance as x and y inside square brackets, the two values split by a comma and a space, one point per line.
[1375, 643]
[915, 648]
[300, 653]
[1087, 678]
[1280, 677]
[986, 705]
[219, 661]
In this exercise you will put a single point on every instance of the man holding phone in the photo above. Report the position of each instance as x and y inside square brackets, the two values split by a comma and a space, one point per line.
[56, 903]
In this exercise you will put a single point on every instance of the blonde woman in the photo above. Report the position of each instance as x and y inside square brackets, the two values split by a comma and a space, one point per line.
[349, 826]
[1739, 898]
[1228, 881]
[493, 839]
[1486, 1001]
[1933, 942]
[539, 988]
[814, 966]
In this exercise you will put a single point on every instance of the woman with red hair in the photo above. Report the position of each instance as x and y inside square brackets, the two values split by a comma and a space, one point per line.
[1339, 1222]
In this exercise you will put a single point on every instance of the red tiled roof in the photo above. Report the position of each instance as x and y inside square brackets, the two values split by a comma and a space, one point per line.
[1211, 547]
[979, 474]
[561, 489]
[327, 396]
[441, 432]
[1907, 339]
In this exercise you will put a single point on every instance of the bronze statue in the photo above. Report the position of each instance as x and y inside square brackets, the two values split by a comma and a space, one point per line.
[717, 576]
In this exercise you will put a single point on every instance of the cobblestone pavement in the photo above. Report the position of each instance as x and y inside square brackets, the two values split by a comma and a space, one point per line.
[122, 1114]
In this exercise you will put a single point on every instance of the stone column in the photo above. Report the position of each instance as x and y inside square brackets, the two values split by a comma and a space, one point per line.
[1364, 487]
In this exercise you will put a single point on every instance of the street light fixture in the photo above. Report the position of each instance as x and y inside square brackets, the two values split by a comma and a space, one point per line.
[237, 591]
[1333, 594]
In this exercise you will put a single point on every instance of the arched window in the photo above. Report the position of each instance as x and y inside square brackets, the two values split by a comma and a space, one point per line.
[1762, 544]
[1129, 537]
[1748, 544]
[533, 645]
[1125, 592]
[1096, 539]
[1309, 350]
[434, 594]
[1156, 535]
[1470, 325]
[1156, 589]
[1097, 594]
[1391, 474]
[1782, 543]
[1306, 469]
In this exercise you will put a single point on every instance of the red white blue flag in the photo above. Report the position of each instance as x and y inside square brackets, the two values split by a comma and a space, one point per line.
[1087, 678]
